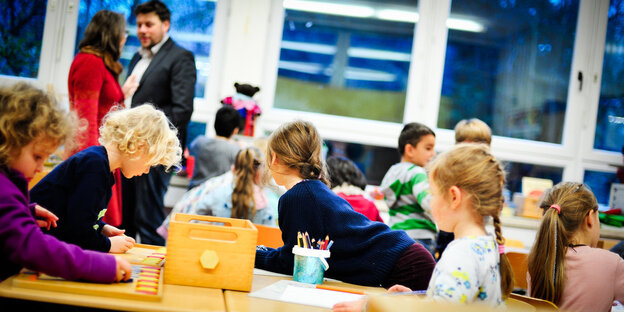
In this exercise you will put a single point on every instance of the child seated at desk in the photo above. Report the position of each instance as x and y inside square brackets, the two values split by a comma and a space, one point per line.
[466, 187]
[364, 252]
[32, 126]
[565, 268]
[79, 189]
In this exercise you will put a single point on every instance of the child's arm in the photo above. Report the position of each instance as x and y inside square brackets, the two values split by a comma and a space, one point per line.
[84, 213]
[24, 244]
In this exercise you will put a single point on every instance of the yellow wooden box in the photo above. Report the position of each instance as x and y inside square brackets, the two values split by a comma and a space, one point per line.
[211, 252]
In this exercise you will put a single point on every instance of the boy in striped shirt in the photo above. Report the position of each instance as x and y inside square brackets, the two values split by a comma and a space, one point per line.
[406, 188]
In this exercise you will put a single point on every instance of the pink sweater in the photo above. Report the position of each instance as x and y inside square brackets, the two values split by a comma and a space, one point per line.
[594, 279]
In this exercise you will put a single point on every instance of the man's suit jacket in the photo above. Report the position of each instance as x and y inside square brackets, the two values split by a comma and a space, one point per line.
[169, 84]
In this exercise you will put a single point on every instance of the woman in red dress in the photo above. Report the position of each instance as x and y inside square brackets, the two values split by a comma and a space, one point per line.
[94, 87]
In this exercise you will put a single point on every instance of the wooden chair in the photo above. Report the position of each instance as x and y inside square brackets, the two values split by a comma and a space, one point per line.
[519, 265]
[539, 304]
[269, 236]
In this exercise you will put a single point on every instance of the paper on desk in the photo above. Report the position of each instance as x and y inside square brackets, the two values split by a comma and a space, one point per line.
[301, 293]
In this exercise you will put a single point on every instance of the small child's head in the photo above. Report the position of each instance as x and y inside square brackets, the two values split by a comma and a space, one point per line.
[296, 146]
[473, 130]
[472, 173]
[144, 137]
[227, 121]
[570, 218]
[246, 169]
[416, 143]
[32, 126]
[344, 171]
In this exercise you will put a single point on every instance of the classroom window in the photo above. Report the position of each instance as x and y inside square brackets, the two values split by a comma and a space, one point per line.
[373, 161]
[600, 184]
[516, 171]
[347, 58]
[192, 25]
[21, 34]
[610, 119]
[508, 63]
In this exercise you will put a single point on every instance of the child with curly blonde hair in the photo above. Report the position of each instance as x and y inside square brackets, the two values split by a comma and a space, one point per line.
[79, 189]
[32, 126]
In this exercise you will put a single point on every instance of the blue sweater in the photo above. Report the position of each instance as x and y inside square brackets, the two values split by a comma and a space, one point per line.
[78, 191]
[364, 252]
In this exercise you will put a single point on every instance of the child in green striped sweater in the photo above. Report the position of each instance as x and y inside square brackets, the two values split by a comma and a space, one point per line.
[406, 188]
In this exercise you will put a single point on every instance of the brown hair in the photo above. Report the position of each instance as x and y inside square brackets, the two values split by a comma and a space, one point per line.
[547, 257]
[298, 145]
[102, 38]
[26, 114]
[246, 166]
[411, 134]
[472, 168]
[473, 130]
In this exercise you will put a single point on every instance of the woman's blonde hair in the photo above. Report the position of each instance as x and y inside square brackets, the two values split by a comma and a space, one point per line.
[27, 114]
[298, 145]
[246, 165]
[547, 258]
[473, 169]
[142, 130]
[473, 130]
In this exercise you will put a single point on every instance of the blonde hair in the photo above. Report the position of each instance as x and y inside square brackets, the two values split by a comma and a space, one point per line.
[473, 130]
[246, 166]
[547, 258]
[473, 169]
[27, 114]
[142, 130]
[298, 145]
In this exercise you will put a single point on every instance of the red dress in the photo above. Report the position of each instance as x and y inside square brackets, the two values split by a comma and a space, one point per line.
[93, 91]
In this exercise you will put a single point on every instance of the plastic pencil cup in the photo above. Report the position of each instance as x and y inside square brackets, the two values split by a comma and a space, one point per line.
[310, 265]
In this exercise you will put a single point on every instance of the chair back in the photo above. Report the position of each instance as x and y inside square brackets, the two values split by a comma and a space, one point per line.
[519, 265]
[269, 236]
[539, 304]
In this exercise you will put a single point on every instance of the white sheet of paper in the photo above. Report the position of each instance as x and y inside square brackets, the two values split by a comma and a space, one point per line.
[316, 297]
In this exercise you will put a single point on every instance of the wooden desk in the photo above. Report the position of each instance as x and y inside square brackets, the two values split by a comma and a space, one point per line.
[175, 298]
[240, 301]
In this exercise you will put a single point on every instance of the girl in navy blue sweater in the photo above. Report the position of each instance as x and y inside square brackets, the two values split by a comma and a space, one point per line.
[79, 189]
[364, 252]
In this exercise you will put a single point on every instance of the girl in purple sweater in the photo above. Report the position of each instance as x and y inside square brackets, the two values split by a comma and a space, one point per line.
[32, 126]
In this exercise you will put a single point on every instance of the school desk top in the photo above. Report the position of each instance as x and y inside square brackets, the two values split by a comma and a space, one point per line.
[240, 301]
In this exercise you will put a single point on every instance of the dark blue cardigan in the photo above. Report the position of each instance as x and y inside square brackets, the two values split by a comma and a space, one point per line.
[77, 191]
[364, 252]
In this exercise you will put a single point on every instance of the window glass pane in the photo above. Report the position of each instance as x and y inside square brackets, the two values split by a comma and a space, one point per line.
[339, 64]
[610, 120]
[516, 171]
[374, 161]
[508, 64]
[600, 183]
[21, 34]
[192, 24]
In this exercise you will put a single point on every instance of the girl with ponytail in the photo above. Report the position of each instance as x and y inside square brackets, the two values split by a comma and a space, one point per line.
[363, 252]
[564, 266]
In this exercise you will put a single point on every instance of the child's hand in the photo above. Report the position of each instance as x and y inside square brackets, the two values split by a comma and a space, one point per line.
[45, 218]
[398, 289]
[109, 230]
[120, 243]
[350, 306]
[124, 269]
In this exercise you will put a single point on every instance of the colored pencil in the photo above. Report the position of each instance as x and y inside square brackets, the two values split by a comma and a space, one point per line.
[346, 290]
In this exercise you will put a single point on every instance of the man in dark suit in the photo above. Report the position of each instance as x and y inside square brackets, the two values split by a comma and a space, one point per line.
[166, 76]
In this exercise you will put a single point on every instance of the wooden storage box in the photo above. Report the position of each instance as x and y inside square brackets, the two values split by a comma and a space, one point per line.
[211, 252]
